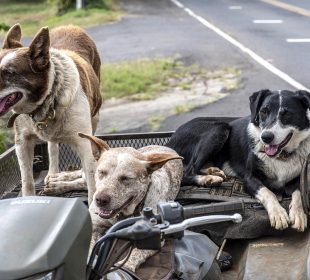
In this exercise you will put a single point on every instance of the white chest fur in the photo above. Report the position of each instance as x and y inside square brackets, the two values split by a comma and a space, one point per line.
[283, 171]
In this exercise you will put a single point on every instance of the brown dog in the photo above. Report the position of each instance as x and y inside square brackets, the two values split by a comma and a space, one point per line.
[52, 87]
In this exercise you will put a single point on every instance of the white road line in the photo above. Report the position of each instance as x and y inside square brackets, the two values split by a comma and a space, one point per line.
[235, 7]
[298, 40]
[180, 5]
[267, 21]
[243, 48]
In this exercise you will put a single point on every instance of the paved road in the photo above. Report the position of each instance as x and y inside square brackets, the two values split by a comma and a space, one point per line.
[162, 29]
[268, 40]
[304, 4]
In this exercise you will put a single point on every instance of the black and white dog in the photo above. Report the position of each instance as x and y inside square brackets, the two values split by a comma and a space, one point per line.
[266, 150]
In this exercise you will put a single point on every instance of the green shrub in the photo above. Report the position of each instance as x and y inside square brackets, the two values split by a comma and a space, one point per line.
[65, 5]
[4, 139]
[4, 26]
[62, 5]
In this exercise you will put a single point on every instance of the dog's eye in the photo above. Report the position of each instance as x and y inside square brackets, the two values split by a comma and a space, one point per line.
[264, 111]
[284, 113]
[125, 178]
[102, 173]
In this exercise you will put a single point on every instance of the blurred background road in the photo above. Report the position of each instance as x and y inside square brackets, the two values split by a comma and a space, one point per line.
[279, 34]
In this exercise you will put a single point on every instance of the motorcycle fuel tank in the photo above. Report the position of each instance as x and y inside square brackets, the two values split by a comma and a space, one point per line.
[44, 236]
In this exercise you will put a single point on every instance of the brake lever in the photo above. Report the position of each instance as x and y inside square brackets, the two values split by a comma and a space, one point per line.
[198, 221]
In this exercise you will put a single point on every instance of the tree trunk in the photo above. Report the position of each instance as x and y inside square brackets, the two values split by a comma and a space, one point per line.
[80, 4]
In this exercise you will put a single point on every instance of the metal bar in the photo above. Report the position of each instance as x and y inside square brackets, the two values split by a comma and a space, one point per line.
[199, 221]
[8, 153]
[137, 136]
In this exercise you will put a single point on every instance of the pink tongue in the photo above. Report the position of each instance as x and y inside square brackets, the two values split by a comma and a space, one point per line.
[2, 103]
[271, 150]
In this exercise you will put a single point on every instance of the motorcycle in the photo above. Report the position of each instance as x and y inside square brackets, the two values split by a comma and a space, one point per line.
[48, 238]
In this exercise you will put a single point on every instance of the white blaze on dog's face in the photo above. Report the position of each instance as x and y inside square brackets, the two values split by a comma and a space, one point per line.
[24, 72]
[123, 176]
[281, 119]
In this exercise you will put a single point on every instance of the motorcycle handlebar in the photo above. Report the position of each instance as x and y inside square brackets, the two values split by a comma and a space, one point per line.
[171, 219]
[198, 221]
[218, 208]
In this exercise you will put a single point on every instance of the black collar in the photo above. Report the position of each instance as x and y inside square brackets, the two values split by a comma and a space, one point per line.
[41, 124]
[284, 155]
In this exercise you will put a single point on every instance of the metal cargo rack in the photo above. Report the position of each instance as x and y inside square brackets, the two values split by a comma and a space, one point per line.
[10, 180]
[249, 234]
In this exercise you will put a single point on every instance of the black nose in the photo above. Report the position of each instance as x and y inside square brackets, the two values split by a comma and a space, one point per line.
[102, 199]
[267, 137]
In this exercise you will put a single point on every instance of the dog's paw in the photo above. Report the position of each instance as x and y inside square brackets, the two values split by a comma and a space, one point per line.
[278, 217]
[298, 219]
[209, 180]
[213, 171]
[47, 178]
[64, 176]
[52, 177]
[52, 188]
[48, 191]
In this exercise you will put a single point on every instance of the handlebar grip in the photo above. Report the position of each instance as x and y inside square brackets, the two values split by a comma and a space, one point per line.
[219, 208]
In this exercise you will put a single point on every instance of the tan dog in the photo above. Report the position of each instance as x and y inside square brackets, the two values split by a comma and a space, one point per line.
[126, 180]
[52, 86]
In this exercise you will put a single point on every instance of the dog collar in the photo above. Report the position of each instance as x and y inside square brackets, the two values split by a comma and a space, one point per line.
[42, 124]
[11, 120]
[284, 155]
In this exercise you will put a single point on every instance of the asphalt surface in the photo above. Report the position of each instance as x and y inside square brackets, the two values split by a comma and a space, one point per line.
[162, 29]
[267, 40]
[298, 3]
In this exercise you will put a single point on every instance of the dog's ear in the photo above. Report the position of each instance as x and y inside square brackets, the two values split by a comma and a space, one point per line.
[39, 50]
[256, 100]
[304, 96]
[98, 145]
[12, 38]
[157, 160]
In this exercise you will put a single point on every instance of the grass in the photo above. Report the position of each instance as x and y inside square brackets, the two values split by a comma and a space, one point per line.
[6, 136]
[180, 109]
[112, 130]
[138, 80]
[155, 122]
[222, 73]
[3, 141]
[142, 79]
[33, 14]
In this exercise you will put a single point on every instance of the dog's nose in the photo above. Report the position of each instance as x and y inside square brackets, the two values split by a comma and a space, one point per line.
[267, 137]
[102, 200]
